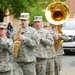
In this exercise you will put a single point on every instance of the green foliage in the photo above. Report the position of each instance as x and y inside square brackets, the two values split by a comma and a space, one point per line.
[34, 7]
[17, 6]
[38, 11]
[63, 0]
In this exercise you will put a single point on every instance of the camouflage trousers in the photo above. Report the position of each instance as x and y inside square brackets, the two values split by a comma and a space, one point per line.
[17, 70]
[28, 68]
[5, 73]
[50, 68]
[40, 66]
[59, 57]
[56, 66]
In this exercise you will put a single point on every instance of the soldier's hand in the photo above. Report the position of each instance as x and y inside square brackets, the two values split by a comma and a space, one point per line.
[40, 37]
[21, 37]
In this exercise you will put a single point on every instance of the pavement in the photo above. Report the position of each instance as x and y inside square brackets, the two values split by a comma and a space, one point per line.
[68, 71]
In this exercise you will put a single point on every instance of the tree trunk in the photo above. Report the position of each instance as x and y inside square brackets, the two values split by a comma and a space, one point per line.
[1, 15]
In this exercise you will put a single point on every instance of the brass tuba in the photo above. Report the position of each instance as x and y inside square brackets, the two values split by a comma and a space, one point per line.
[57, 13]
[58, 42]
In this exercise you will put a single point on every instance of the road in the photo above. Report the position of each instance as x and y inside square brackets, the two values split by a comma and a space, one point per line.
[68, 65]
[68, 60]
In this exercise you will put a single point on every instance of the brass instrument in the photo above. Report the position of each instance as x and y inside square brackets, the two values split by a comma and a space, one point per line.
[58, 42]
[57, 13]
[17, 43]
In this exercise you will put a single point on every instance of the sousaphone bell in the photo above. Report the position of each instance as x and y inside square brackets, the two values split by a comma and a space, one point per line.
[57, 13]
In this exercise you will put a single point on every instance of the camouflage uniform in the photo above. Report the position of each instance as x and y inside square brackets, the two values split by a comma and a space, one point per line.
[60, 51]
[52, 57]
[17, 70]
[6, 48]
[56, 68]
[50, 65]
[26, 57]
[41, 51]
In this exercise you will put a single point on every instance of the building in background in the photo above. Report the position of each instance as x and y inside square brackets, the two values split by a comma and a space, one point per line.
[11, 18]
[71, 4]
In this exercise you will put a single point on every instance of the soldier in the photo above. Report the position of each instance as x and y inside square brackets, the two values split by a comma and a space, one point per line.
[6, 48]
[47, 26]
[41, 50]
[57, 30]
[51, 60]
[29, 40]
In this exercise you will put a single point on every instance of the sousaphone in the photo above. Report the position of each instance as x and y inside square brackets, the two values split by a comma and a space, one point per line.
[57, 13]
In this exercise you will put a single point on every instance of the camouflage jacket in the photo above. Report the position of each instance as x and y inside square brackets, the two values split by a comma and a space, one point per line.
[27, 46]
[63, 37]
[47, 40]
[6, 48]
[50, 49]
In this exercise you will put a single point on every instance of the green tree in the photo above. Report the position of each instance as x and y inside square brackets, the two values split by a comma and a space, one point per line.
[15, 7]
[44, 4]
[34, 7]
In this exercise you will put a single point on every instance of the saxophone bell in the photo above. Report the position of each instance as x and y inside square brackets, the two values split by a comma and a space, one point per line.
[17, 42]
[16, 48]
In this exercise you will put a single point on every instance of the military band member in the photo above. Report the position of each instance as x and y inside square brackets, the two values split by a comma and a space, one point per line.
[51, 60]
[41, 50]
[57, 29]
[29, 40]
[6, 48]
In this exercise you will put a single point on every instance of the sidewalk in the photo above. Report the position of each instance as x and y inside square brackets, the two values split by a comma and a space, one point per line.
[68, 71]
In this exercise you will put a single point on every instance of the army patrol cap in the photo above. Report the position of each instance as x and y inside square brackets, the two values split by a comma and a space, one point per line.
[37, 18]
[3, 25]
[24, 16]
[46, 24]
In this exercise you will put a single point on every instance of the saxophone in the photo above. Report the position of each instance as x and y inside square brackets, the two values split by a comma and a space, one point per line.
[59, 41]
[17, 43]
